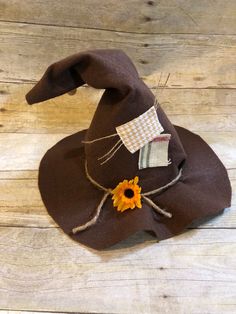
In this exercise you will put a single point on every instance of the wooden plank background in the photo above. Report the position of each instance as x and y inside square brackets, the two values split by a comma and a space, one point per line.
[40, 268]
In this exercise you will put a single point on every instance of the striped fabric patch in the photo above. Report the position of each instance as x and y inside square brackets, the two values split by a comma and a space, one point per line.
[141, 130]
[155, 153]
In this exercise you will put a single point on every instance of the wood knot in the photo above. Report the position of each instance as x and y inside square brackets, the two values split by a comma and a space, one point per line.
[143, 61]
[147, 18]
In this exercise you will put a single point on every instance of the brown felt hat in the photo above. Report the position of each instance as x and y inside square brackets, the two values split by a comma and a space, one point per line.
[71, 197]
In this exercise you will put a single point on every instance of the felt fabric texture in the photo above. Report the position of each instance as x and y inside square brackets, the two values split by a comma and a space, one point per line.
[203, 190]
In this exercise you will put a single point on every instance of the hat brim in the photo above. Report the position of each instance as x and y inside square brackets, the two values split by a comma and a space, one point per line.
[203, 191]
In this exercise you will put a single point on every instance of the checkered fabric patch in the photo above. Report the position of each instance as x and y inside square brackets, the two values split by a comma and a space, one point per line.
[141, 130]
[155, 153]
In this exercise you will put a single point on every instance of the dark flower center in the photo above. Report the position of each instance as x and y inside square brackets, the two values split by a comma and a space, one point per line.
[129, 193]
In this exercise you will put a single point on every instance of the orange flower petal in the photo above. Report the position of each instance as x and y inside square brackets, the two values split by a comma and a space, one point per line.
[121, 201]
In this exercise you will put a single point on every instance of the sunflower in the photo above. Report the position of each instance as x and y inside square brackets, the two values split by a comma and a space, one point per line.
[127, 195]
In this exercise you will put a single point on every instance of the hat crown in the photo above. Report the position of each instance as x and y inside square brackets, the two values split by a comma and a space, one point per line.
[125, 98]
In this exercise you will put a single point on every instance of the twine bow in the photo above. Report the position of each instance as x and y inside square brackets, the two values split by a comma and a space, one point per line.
[108, 191]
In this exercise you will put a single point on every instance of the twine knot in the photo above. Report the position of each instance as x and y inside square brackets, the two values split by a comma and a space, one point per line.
[108, 191]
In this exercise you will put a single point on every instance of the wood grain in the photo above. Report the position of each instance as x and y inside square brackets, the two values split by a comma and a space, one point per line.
[24, 151]
[193, 61]
[30, 312]
[41, 269]
[44, 269]
[20, 201]
[25, 208]
[190, 108]
[136, 16]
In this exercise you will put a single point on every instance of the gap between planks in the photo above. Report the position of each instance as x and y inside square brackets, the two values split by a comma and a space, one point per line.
[152, 17]
[189, 271]
[193, 61]
[22, 311]
[115, 31]
[190, 108]
[26, 209]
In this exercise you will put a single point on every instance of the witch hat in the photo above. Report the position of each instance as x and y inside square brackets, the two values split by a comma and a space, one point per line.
[132, 169]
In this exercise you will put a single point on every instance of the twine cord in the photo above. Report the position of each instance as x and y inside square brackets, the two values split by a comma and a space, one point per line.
[111, 150]
[156, 104]
[164, 187]
[108, 192]
[116, 150]
[95, 183]
[95, 217]
[156, 207]
[111, 153]
[100, 138]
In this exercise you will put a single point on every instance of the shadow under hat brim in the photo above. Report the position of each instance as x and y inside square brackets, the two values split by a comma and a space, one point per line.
[203, 191]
